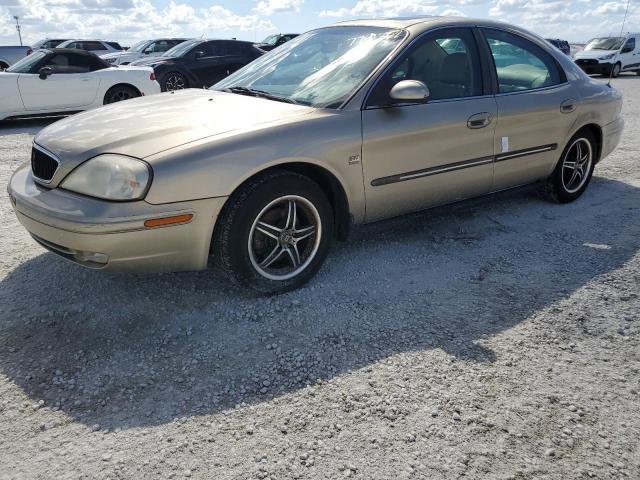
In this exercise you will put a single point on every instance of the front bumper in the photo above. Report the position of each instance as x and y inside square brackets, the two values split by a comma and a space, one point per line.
[111, 235]
[593, 67]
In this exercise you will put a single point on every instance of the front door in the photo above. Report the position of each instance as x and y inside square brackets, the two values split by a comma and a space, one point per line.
[630, 55]
[71, 85]
[416, 156]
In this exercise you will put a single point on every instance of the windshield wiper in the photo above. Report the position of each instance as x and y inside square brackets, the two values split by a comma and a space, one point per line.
[259, 93]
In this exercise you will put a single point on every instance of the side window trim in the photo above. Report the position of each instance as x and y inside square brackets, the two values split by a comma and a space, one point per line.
[491, 62]
[407, 48]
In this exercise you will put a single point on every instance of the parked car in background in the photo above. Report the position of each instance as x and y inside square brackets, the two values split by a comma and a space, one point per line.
[577, 48]
[611, 55]
[200, 63]
[146, 48]
[346, 124]
[56, 82]
[48, 43]
[561, 45]
[10, 55]
[98, 47]
[273, 41]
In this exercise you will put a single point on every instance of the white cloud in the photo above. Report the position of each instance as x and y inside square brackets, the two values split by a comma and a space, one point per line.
[123, 20]
[269, 7]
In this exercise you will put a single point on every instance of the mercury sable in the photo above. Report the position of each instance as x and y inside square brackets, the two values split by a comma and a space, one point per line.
[343, 125]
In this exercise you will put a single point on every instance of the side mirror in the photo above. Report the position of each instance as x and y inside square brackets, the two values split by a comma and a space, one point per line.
[147, 51]
[44, 72]
[627, 49]
[199, 55]
[410, 91]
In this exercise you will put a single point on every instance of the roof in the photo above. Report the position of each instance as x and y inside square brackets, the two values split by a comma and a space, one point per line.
[420, 23]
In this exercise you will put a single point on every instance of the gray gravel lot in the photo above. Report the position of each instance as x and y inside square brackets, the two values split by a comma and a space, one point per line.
[498, 338]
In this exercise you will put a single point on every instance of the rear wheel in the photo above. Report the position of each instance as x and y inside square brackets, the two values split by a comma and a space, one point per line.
[174, 81]
[573, 173]
[274, 234]
[120, 93]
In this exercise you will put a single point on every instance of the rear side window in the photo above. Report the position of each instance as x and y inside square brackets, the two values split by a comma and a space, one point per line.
[92, 46]
[521, 65]
[115, 45]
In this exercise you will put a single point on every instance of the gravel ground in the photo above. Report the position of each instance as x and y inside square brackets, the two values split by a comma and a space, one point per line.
[493, 339]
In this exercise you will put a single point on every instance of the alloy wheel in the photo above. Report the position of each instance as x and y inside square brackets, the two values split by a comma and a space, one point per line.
[285, 237]
[175, 82]
[120, 95]
[577, 165]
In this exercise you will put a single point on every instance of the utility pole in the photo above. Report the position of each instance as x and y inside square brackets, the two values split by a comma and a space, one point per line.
[18, 29]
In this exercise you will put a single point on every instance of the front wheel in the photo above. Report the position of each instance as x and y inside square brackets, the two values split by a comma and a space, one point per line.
[274, 233]
[617, 68]
[573, 172]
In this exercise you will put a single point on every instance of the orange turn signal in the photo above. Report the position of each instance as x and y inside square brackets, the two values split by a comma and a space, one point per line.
[165, 221]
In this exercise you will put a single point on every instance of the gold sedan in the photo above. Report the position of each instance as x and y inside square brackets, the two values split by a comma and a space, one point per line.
[343, 125]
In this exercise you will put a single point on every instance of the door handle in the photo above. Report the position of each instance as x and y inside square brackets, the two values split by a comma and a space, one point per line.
[479, 120]
[568, 106]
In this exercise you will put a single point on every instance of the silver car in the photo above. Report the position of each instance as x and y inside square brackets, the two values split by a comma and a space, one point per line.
[343, 125]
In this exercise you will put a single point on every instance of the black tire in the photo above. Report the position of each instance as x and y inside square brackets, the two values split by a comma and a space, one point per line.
[558, 187]
[236, 236]
[118, 93]
[615, 70]
[174, 81]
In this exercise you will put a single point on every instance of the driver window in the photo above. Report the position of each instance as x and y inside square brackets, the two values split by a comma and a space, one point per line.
[446, 61]
[630, 46]
[68, 63]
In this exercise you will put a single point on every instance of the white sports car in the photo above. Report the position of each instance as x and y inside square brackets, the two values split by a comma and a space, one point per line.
[60, 81]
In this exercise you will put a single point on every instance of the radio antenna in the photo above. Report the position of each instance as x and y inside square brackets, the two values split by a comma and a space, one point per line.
[624, 20]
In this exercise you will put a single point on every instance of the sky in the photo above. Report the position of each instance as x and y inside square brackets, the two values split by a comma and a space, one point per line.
[128, 21]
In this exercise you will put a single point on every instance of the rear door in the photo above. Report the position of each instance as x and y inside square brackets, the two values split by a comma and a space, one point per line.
[536, 109]
[419, 155]
[71, 85]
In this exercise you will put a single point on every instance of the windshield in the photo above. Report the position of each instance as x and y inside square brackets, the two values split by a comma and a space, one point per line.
[25, 64]
[138, 47]
[608, 43]
[320, 68]
[271, 39]
[182, 48]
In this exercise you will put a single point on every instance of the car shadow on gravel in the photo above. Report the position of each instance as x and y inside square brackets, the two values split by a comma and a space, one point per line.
[28, 126]
[125, 351]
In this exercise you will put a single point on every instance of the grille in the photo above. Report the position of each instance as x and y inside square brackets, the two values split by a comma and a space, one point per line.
[587, 62]
[43, 166]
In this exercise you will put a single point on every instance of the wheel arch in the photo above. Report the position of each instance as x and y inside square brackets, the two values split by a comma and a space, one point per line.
[328, 182]
[596, 131]
[121, 84]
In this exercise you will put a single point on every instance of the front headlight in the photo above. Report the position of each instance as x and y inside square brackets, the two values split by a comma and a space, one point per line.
[110, 176]
[607, 57]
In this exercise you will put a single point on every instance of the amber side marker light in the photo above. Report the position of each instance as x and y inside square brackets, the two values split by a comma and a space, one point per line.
[166, 221]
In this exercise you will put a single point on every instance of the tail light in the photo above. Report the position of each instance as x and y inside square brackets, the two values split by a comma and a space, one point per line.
[29, 51]
[152, 76]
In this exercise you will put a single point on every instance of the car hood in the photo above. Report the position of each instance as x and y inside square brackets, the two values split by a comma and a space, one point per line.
[148, 125]
[153, 60]
[591, 54]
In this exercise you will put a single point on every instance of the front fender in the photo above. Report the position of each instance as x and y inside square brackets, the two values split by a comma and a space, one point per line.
[216, 167]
